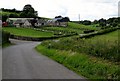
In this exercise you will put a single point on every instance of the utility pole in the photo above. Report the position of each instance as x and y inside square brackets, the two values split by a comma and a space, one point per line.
[119, 9]
[79, 18]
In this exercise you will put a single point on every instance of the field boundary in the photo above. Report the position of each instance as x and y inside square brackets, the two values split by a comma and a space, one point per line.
[37, 38]
[99, 33]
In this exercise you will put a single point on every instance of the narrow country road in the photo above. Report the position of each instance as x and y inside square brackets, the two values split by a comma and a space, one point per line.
[22, 61]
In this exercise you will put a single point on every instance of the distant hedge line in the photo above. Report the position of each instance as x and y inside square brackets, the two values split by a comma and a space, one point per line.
[99, 32]
[38, 38]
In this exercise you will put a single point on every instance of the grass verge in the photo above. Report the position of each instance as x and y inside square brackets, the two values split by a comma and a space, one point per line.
[95, 69]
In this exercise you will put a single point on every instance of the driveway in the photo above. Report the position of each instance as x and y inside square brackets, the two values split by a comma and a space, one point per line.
[22, 61]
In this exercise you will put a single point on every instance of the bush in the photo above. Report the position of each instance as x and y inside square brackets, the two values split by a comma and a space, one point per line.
[5, 37]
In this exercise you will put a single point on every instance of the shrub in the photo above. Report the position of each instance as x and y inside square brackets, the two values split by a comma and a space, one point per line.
[5, 37]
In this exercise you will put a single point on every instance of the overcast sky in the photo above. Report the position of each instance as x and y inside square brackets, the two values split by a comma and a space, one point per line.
[88, 9]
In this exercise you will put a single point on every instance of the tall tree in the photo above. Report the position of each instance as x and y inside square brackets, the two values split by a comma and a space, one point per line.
[28, 11]
[58, 16]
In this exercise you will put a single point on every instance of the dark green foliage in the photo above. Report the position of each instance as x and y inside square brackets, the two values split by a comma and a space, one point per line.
[10, 10]
[86, 22]
[5, 37]
[63, 19]
[102, 22]
[13, 15]
[58, 16]
[95, 22]
[4, 18]
[28, 11]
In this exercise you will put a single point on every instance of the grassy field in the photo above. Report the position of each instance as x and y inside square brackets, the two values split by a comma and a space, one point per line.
[109, 36]
[72, 27]
[27, 32]
[96, 58]
[7, 13]
[81, 27]
[63, 30]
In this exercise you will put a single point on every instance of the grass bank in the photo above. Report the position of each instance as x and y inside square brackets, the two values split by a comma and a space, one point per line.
[93, 68]
[96, 58]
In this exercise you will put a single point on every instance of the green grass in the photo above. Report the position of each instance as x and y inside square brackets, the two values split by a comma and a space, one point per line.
[8, 13]
[6, 45]
[94, 58]
[81, 27]
[72, 27]
[109, 36]
[27, 32]
[93, 25]
[85, 65]
[63, 29]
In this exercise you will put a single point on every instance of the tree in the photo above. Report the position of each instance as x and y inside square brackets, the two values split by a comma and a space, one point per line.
[66, 19]
[58, 16]
[86, 22]
[95, 22]
[28, 8]
[13, 15]
[102, 22]
[4, 18]
[28, 11]
[115, 22]
[63, 19]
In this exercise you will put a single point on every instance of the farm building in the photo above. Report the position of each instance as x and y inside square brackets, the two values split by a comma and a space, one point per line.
[57, 22]
[26, 22]
[22, 23]
[41, 22]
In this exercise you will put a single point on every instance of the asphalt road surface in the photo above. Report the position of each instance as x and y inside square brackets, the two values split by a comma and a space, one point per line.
[22, 61]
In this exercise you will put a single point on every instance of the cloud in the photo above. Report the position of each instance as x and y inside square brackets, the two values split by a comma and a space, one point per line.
[88, 9]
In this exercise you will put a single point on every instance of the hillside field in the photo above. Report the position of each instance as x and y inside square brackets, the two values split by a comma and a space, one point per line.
[27, 32]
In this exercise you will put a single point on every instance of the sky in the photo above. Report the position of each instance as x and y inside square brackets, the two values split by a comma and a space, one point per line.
[86, 9]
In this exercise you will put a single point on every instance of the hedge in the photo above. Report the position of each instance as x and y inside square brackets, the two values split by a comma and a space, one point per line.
[38, 38]
[5, 37]
[99, 32]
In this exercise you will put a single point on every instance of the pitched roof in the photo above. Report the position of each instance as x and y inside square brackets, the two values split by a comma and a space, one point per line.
[18, 21]
[22, 21]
